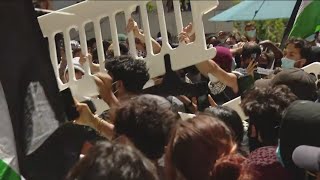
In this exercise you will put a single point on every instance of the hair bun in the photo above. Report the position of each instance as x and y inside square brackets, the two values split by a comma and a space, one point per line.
[229, 168]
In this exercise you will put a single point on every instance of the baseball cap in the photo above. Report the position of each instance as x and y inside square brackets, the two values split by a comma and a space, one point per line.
[307, 157]
[301, 83]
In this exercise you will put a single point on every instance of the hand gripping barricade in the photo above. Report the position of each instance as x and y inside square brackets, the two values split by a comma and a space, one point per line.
[235, 103]
[78, 15]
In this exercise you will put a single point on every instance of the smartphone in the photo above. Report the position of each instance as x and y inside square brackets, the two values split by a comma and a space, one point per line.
[69, 104]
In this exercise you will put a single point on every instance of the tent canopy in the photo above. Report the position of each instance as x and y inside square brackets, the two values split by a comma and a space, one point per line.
[248, 10]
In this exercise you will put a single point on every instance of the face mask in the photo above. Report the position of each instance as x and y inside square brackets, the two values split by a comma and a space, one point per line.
[287, 63]
[251, 34]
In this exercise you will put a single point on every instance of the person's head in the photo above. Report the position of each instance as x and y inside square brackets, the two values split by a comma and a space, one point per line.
[123, 50]
[250, 52]
[196, 148]
[296, 53]
[147, 121]
[76, 48]
[78, 69]
[231, 40]
[92, 43]
[223, 36]
[250, 31]
[213, 40]
[128, 74]
[113, 162]
[223, 58]
[265, 107]
[265, 60]
[231, 118]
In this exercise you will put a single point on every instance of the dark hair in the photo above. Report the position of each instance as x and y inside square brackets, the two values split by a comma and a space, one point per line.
[265, 108]
[113, 162]
[249, 24]
[250, 48]
[146, 123]
[231, 118]
[168, 34]
[123, 50]
[91, 41]
[75, 51]
[196, 146]
[106, 45]
[302, 45]
[133, 73]
[214, 42]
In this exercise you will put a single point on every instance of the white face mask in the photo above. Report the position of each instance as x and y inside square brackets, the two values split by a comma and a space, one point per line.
[287, 63]
[251, 33]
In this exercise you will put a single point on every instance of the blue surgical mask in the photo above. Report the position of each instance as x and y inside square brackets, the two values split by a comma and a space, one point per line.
[251, 33]
[287, 63]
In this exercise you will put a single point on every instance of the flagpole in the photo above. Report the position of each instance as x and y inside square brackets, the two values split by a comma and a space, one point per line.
[290, 23]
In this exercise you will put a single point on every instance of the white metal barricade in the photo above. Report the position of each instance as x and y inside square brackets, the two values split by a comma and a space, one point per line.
[78, 15]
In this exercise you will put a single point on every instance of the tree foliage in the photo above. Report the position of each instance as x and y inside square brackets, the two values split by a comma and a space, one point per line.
[269, 29]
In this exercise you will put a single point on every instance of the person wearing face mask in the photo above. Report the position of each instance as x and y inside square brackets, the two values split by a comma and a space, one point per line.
[296, 54]
[251, 33]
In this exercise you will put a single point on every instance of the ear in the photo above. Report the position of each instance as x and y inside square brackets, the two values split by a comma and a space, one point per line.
[119, 84]
[302, 62]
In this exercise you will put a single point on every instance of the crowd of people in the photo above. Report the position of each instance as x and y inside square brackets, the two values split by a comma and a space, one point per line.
[142, 135]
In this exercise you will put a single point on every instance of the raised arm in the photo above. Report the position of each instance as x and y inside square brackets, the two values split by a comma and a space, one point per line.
[133, 26]
[229, 79]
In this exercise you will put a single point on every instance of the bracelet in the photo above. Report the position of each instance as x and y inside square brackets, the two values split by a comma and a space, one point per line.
[98, 125]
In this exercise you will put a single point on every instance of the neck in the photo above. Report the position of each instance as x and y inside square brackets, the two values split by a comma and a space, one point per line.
[127, 94]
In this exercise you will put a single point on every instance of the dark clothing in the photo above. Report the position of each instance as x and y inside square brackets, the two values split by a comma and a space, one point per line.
[59, 153]
[264, 163]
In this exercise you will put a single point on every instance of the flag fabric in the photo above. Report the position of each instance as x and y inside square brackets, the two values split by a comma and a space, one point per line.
[307, 19]
[8, 163]
[29, 108]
